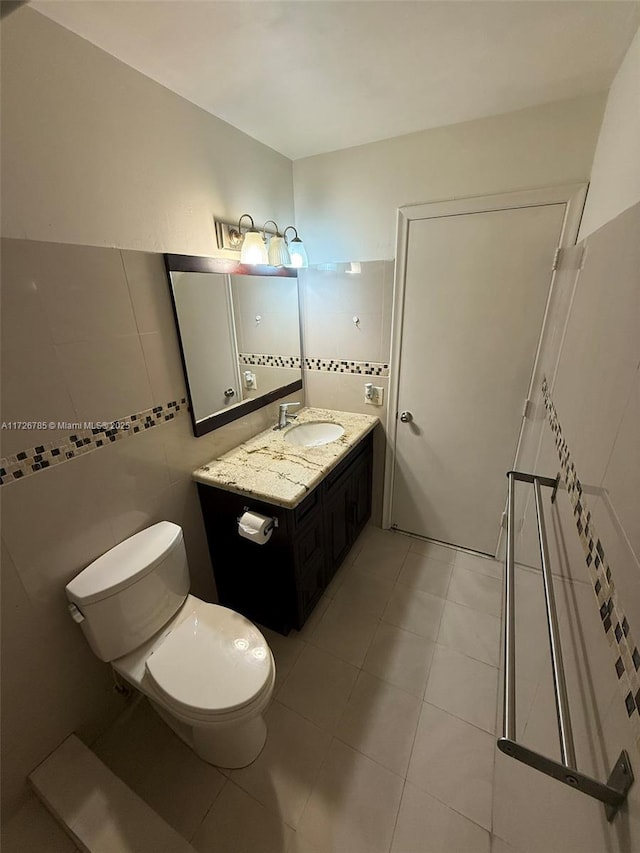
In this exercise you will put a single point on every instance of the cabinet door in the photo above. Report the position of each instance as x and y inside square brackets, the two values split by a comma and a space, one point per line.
[309, 564]
[338, 521]
[360, 496]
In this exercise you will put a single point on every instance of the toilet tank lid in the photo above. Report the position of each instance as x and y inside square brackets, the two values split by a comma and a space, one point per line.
[124, 564]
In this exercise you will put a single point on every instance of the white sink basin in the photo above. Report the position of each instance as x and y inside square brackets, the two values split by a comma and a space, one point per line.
[313, 434]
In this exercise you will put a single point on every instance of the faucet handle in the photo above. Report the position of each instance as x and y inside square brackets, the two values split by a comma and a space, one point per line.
[285, 406]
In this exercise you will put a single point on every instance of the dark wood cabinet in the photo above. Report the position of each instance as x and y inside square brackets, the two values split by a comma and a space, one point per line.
[279, 583]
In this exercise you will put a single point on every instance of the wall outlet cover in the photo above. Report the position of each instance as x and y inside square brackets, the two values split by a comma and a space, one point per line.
[377, 396]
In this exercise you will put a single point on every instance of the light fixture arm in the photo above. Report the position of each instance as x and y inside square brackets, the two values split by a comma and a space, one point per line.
[235, 234]
[290, 228]
[264, 228]
[253, 226]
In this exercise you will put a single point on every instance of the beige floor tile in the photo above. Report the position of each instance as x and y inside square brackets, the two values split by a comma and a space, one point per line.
[33, 829]
[414, 611]
[313, 620]
[464, 687]
[389, 539]
[432, 549]
[353, 806]
[479, 564]
[301, 844]
[379, 561]
[500, 846]
[143, 751]
[319, 687]
[472, 589]
[428, 826]
[382, 556]
[380, 721]
[285, 650]
[239, 824]
[400, 657]
[453, 761]
[345, 631]
[537, 814]
[426, 574]
[471, 632]
[284, 773]
[364, 592]
[336, 581]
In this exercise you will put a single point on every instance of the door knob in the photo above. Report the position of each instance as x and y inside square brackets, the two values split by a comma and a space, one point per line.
[229, 392]
[406, 417]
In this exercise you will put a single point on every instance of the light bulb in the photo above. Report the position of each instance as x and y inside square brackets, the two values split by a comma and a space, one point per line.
[298, 254]
[253, 250]
[278, 252]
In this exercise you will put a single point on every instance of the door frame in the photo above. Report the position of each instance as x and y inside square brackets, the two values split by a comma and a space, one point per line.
[571, 195]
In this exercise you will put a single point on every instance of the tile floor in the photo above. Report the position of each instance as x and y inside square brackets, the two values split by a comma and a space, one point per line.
[388, 691]
[381, 732]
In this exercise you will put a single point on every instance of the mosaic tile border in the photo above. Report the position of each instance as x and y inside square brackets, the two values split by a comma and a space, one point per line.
[329, 365]
[365, 368]
[270, 360]
[614, 622]
[90, 437]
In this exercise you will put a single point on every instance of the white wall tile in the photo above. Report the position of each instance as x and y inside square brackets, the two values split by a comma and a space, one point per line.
[84, 291]
[149, 290]
[107, 378]
[164, 368]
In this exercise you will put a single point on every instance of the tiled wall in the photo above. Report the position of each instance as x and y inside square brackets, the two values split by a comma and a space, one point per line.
[87, 334]
[341, 355]
[589, 432]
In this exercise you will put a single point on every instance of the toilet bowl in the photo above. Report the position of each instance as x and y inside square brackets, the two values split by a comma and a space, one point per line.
[207, 670]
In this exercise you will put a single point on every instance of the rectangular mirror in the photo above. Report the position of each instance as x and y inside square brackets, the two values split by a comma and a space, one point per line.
[239, 333]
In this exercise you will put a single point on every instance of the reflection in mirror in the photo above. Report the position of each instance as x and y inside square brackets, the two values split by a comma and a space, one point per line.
[239, 337]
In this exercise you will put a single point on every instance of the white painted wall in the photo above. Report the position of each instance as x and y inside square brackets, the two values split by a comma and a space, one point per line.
[96, 153]
[346, 201]
[615, 177]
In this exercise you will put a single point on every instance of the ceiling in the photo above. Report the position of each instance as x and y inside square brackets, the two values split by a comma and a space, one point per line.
[306, 77]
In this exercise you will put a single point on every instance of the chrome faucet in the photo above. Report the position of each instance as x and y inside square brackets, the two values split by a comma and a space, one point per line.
[284, 418]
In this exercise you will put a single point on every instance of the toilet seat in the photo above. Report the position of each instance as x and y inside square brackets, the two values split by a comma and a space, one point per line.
[214, 665]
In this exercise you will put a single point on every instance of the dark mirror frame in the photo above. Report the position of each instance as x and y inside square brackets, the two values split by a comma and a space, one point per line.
[222, 266]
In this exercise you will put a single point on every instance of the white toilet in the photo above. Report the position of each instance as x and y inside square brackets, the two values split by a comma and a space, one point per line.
[207, 670]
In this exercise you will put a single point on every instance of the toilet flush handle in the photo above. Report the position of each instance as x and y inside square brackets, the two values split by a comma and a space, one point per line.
[76, 614]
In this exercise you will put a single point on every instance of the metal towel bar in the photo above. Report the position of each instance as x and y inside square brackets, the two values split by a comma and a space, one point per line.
[614, 793]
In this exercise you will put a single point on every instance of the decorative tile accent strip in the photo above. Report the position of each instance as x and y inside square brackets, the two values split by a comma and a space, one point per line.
[615, 624]
[366, 368]
[88, 436]
[270, 360]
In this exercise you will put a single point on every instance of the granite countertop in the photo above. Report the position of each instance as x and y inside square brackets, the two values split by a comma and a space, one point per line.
[269, 468]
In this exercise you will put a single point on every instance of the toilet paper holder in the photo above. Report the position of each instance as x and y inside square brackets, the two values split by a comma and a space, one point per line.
[274, 520]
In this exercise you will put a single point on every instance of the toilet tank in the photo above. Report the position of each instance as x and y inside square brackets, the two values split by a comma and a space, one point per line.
[128, 594]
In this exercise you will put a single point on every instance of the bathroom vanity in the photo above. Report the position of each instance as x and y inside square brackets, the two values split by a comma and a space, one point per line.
[319, 498]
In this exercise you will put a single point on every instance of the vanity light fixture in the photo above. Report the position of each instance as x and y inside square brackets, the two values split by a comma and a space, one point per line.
[296, 250]
[252, 244]
[254, 250]
[278, 251]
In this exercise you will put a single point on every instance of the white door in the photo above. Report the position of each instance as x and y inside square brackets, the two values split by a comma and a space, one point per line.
[475, 290]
